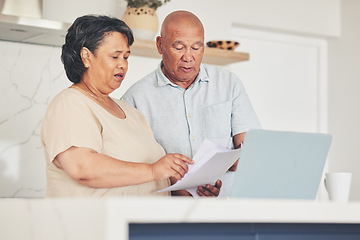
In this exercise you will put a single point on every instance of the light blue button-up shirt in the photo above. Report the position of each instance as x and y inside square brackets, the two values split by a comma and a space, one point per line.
[216, 106]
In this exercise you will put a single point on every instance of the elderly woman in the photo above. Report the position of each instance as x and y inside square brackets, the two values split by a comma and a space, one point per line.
[97, 146]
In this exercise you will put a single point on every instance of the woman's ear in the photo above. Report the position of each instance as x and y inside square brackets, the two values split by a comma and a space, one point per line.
[85, 56]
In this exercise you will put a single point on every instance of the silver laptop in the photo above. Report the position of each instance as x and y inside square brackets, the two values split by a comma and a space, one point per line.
[279, 164]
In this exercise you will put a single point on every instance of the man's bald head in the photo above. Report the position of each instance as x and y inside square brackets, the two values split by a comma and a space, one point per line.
[181, 19]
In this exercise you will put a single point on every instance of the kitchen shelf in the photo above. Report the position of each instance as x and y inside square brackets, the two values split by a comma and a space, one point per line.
[214, 56]
[52, 33]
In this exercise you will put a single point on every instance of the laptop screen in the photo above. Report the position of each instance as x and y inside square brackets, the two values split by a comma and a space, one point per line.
[279, 164]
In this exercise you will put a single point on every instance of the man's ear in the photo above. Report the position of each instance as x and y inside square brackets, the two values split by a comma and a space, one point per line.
[85, 56]
[159, 44]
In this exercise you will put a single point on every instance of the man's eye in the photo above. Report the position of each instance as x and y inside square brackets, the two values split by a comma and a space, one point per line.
[196, 47]
[114, 57]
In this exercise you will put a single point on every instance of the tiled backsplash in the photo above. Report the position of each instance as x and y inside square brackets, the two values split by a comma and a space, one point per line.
[30, 76]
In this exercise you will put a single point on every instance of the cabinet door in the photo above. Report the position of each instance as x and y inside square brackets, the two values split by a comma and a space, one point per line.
[285, 79]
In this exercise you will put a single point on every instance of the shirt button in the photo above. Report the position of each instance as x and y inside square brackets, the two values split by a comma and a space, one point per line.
[193, 138]
[189, 114]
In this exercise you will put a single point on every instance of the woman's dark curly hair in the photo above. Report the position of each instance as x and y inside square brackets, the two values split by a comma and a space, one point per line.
[88, 31]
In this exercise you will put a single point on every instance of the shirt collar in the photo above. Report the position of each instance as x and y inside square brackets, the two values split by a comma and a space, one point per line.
[162, 80]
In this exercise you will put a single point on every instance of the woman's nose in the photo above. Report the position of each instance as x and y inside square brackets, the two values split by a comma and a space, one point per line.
[120, 64]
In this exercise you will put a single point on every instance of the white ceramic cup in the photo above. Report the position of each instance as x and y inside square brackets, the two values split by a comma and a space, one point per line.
[338, 186]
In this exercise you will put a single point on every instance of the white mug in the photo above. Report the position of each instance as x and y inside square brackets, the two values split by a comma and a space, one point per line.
[338, 186]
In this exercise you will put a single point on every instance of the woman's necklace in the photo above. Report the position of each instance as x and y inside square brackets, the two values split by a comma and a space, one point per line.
[89, 94]
[122, 114]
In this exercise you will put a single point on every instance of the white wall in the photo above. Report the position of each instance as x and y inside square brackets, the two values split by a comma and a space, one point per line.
[344, 96]
[69, 10]
[319, 17]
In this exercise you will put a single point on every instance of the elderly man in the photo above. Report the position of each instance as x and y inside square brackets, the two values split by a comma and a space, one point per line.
[186, 101]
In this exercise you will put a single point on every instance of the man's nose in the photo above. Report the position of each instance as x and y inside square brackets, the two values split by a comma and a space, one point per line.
[187, 56]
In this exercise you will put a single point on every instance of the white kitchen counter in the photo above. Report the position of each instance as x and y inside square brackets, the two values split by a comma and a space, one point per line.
[109, 219]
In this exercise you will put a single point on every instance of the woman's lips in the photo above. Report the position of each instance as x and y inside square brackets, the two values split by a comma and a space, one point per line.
[119, 76]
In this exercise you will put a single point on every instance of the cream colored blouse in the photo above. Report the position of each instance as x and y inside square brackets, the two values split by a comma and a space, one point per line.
[73, 119]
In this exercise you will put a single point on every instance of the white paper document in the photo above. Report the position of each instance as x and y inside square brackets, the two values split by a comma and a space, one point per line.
[211, 161]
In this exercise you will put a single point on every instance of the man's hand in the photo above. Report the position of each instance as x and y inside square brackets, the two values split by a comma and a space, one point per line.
[238, 140]
[210, 190]
[234, 166]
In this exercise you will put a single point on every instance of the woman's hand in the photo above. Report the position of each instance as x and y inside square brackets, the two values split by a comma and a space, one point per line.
[171, 165]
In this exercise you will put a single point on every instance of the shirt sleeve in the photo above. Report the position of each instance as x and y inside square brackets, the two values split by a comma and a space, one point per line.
[69, 122]
[128, 97]
[243, 117]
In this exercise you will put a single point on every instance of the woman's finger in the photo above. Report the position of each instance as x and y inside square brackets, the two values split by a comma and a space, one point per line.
[182, 164]
[184, 158]
[179, 169]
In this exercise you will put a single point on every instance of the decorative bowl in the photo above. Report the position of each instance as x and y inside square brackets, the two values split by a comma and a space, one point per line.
[223, 44]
